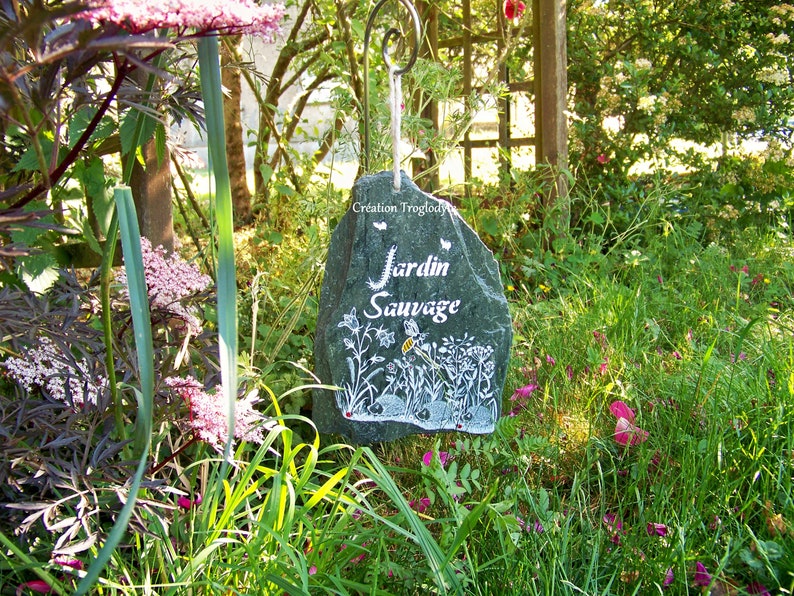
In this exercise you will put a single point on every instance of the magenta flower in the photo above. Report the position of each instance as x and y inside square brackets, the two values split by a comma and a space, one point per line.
[615, 526]
[231, 16]
[63, 561]
[443, 456]
[186, 503]
[524, 392]
[550, 359]
[668, 577]
[312, 569]
[602, 159]
[757, 588]
[36, 585]
[619, 409]
[656, 529]
[626, 433]
[702, 576]
[569, 372]
[514, 9]
[421, 505]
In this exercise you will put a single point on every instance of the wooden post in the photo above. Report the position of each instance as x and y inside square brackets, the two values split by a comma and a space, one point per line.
[428, 12]
[551, 90]
[468, 74]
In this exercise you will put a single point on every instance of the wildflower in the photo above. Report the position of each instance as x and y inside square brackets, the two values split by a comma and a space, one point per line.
[550, 360]
[208, 413]
[232, 16]
[186, 503]
[654, 529]
[421, 505]
[615, 525]
[602, 159]
[659, 279]
[702, 576]
[626, 433]
[61, 376]
[63, 561]
[36, 585]
[514, 9]
[569, 372]
[757, 588]
[537, 527]
[312, 569]
[443, 456]
[668, 577]
[169, 280]
[523, 392]
[677, 355]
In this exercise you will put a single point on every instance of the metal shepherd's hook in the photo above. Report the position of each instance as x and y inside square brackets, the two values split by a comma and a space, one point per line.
[391, 34]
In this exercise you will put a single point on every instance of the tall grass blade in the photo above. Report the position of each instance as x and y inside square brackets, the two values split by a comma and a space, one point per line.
[210, 74]
[141, 320]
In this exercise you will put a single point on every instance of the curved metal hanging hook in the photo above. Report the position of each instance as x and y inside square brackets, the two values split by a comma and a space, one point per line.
[391, 35]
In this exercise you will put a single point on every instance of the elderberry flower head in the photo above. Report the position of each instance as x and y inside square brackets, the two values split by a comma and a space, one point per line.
[169, 279]
[230, 16]
[62, 377]
[208, 413]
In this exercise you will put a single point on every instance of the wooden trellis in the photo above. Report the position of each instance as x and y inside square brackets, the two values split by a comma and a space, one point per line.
[548, 86]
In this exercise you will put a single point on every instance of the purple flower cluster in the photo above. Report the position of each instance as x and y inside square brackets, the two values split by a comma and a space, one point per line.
[169, 280]
[232, 16]
[61, 377]
[208, 414]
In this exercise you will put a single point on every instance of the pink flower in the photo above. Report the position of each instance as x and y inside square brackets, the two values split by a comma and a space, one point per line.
[443, 456]
[626, 433]
[550, 360]
[615, 525]
[569, 372]
[36, 585]
[702, 577]
[61, 376]
[421, 505]
[677, 355]
[63, 561]
[312, 569]
[169, 280]
[514, 9]
[668, 577]
[656, 529]
[659, 279]
[757, 588]
[619, 409]
[231, 16]
[208, 413]
[186, 502]
[602, 159]
[523, 392]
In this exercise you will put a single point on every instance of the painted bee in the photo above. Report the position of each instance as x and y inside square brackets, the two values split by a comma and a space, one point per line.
[412, 330]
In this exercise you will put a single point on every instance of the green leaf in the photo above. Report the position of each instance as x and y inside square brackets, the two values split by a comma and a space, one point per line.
[128, 131]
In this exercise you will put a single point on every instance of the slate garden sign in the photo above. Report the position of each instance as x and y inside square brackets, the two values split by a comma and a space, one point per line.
[414, 329]
[414, 332]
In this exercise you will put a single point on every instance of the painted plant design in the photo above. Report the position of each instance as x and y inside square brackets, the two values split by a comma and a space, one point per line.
[398, 375]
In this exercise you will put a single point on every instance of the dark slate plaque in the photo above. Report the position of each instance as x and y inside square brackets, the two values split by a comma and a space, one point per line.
[414, 328]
